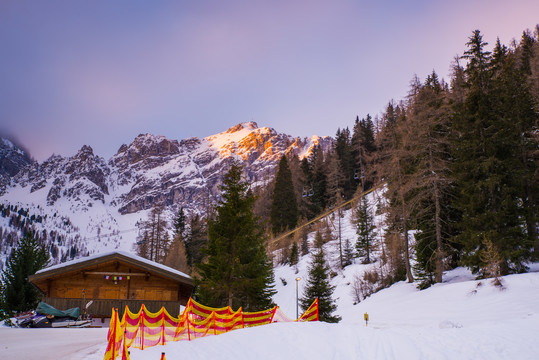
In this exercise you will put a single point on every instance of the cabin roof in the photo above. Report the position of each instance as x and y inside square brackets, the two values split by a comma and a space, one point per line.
[123, 256]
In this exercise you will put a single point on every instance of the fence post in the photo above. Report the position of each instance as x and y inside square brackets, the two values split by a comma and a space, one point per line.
[125, 353]
[187, 319]
[114, 334]
[163, 325]
[273, 315]
[141, 327]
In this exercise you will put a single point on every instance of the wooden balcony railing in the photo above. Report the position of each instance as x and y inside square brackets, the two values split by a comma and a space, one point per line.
[102, 308]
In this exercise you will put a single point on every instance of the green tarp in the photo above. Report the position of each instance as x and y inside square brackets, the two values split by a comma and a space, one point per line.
[46, 309]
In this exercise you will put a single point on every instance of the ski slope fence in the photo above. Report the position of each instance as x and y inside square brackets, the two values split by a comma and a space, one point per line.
[145, 329]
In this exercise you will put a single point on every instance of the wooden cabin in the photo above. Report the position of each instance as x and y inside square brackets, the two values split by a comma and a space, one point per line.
[113, 279]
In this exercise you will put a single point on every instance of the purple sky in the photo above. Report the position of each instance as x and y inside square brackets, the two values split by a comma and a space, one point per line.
[100, 72]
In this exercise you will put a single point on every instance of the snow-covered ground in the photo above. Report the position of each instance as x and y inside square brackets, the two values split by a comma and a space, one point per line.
[459, 319]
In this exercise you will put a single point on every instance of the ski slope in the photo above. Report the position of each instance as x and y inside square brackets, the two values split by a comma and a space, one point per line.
[459, 319]
[455, 320]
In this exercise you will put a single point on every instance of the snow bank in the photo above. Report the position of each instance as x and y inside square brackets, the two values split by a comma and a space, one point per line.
[460, 319]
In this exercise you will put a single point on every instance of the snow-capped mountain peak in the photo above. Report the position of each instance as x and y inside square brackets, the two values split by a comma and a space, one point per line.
[153, 169]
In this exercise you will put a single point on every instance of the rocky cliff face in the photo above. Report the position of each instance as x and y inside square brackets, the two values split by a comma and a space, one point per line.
[154, 169]
[12, 160]
[82, 178]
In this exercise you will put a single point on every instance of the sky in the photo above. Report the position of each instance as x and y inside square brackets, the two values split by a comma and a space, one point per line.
[101, 72]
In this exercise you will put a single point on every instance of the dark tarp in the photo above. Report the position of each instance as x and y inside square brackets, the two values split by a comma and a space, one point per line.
[46, 309]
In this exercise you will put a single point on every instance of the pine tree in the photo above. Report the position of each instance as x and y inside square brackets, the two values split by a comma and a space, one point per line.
[308, 204]
[17, 292]
[345, 162]
[363, 148]
[294, 254]
[347, 253]
[284, 210]
[319, 198]
[366, 231]
[195, 240]
[237, 271]
[522, 110]
[318, 239]
[180, 222]
[319, 287]
[304, 244]
[487, 166]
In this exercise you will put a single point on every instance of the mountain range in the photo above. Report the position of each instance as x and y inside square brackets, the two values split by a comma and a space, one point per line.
[96, 203]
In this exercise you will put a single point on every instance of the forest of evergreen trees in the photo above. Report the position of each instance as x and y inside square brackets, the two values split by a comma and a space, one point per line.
[458, 160]
[458, 163]
[62, 246]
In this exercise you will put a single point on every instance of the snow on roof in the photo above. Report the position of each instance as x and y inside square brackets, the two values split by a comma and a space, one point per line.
[123, 253]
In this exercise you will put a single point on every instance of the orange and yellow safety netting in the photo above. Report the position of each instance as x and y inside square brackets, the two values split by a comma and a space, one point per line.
[145, 329]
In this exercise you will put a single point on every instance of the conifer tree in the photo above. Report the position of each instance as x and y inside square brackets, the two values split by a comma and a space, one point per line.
[319, 199]
[237, 271]
[196, 239]
[284, 209]
[304, 245]
[306, 207]
[366, 231]
[319, 287]
[17, 292]
[363, 148]
[294, 254]
[348, 253]
[180, 222]
[424, 268]
[487, 166]
[345, 162]
[521, 109]
[301, 187]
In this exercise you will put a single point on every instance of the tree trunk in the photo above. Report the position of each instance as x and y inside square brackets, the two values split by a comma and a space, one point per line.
[438, 224]
[531, 220]
[340, 241]
[409, 275]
